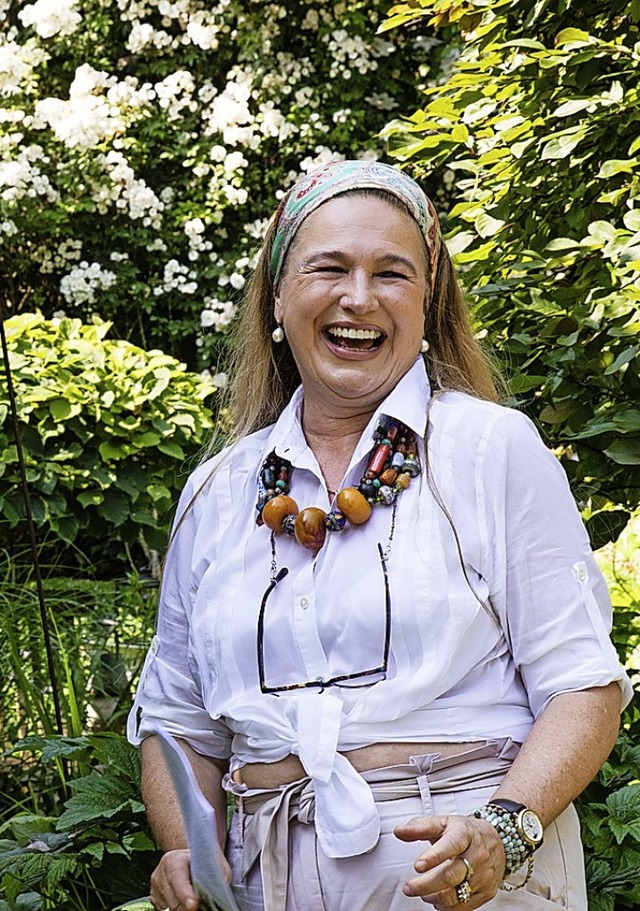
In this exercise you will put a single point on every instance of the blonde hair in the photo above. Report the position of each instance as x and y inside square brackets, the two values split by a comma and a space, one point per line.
[264, 373]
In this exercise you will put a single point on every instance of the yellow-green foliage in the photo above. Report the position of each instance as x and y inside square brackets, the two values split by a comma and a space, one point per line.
[107, 430]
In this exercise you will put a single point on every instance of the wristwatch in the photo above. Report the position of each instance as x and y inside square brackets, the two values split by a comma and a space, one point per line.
[520, 830]
[527, 822]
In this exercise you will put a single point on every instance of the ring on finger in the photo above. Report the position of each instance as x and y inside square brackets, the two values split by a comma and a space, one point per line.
[469, 867]
[463, 891]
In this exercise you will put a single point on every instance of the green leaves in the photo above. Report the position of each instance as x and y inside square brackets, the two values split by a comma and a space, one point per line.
[99, 844]
[106, 429]
[541, 206]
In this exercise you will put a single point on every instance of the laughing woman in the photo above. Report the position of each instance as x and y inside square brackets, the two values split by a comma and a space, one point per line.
[381, 626]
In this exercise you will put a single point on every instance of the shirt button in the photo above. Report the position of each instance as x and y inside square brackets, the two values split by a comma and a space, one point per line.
[304, 603]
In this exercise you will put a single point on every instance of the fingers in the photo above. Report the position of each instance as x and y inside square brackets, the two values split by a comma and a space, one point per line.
[171, 885]
[463, 850]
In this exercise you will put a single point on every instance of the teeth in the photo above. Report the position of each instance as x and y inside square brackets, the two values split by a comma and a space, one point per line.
[354, 333]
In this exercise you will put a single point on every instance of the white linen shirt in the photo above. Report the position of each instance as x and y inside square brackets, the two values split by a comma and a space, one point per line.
[477, 650]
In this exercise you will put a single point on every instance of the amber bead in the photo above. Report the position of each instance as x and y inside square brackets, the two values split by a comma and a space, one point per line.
[402, 481]
[310, 529]
[388, 476]
[277, 509]
[354, 506]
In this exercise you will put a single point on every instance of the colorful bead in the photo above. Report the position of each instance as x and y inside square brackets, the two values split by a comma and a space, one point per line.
[335, 521]
[289, 525]
[310, 529]
[386, 495]
[353, 505]
[378, 460]
[268, 477]
[411, 467]
[388, 476]
[402, 481]
[392, 464]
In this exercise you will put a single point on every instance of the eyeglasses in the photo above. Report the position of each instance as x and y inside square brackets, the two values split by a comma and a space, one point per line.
[341, 678]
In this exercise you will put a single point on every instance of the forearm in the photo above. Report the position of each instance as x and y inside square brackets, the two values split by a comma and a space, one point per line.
[160, 798]
[564, 750]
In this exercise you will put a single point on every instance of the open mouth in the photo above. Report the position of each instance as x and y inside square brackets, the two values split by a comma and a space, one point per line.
[354, 339]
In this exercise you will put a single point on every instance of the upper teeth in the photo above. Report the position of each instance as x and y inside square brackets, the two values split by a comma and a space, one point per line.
[354, 333]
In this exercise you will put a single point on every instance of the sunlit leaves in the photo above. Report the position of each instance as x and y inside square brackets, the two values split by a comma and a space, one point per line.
[106, 428]
[544, 218]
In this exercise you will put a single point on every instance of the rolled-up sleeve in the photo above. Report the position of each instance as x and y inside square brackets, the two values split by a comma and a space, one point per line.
[169, 694]
[546, 587]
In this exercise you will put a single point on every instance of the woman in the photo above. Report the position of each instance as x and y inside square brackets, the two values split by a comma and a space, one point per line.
[407, 678]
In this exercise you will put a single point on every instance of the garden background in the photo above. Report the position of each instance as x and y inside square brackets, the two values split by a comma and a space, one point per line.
[143, 146]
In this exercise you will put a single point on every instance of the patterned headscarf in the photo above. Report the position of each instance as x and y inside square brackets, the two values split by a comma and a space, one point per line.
[339, 177]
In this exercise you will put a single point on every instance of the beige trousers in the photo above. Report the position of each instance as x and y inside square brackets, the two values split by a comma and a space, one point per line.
[278, 865]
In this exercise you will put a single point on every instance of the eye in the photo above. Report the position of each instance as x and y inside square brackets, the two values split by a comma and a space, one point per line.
[331, 270]
[391, 273]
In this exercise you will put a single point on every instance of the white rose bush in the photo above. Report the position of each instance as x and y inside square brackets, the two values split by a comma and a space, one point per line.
[143, 146]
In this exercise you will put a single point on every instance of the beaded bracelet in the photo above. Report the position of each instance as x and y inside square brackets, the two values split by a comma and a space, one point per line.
[515, 849]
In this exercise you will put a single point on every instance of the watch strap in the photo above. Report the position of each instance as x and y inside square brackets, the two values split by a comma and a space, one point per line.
[516, 850]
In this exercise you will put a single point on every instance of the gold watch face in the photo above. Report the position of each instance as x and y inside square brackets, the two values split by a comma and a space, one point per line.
[531, 827]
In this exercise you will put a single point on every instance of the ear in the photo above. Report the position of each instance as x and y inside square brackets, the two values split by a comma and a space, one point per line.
[277, 310]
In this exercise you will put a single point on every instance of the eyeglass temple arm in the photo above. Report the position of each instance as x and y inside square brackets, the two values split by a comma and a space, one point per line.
[278, 578]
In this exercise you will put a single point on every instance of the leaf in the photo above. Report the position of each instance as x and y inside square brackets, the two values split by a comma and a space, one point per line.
[523, 383]
[623, 358]
[572, 36]
[624, 452]
[614, 166]
[632, 220]
[171, 449]
[606, 526]
[573, 106]
[487, 226]
[459, 242]
[97, 797]
[556, 414]
[624, 810]
[562, 144]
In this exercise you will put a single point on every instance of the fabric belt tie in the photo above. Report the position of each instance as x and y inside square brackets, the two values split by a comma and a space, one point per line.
[271, 811]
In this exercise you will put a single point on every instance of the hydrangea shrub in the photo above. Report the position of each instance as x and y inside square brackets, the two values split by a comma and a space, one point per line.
[107, 430]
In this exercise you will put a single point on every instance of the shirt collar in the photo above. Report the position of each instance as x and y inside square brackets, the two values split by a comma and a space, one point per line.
[407, 402]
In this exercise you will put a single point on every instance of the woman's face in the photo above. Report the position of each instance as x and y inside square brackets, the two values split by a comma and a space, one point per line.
[352, 299]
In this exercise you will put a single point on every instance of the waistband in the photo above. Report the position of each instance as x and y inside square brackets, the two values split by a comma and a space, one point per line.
[271, 810]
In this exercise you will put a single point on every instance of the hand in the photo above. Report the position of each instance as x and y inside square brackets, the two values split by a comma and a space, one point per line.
[171, 885]
[440, 866]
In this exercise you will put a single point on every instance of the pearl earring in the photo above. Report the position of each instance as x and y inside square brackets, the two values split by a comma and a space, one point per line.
[278, 335]
[424, 346]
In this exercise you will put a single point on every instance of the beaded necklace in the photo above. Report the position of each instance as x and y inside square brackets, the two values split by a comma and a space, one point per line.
[392, 464]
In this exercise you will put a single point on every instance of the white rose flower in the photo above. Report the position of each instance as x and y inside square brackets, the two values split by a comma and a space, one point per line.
[51, 17]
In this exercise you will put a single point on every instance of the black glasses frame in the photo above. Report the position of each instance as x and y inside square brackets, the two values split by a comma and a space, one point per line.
[341, 678]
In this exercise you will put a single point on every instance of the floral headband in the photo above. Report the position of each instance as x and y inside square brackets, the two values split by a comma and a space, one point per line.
[339, 177]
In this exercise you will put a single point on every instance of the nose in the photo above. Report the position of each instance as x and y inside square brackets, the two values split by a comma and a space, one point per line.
[358, 293]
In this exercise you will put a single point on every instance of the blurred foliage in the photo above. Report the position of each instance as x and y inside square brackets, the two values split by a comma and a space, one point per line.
[93, 850]
[106, 430]
[536, 135]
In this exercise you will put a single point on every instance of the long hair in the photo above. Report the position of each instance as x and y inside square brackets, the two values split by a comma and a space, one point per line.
[264, 374]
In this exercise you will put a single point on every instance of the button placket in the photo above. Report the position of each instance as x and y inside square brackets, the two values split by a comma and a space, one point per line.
[305, 625]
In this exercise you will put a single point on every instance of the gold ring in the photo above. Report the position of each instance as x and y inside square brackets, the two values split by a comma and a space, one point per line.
[469, 867]
[463, 891]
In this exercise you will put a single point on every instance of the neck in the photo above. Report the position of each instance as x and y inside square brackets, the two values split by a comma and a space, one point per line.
[333, 440]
